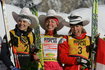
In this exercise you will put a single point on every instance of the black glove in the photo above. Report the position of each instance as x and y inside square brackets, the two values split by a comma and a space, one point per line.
[33, 49]
[84, 62]
[94, 45]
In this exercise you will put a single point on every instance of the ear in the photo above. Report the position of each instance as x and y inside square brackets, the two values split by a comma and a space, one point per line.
[29, 24]
[56, 25]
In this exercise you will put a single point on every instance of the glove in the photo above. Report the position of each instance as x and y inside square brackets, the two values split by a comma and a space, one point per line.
[33, 49]
[14, 68]
[84, 62]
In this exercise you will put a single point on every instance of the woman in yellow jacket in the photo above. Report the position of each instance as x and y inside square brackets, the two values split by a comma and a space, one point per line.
[22, 42]
[74, 49]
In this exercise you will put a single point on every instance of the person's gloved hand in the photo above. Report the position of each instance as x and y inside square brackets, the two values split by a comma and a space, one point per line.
[33, 49]
[14, 68]
[84, 62]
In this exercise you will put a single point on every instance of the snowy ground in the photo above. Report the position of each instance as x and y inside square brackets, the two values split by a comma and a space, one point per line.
[84, 12]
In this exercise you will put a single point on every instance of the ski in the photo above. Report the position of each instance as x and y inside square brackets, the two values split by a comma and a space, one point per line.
[13, 57]
[38, 44]
[5, 19]
[33, 9]
[94, 32]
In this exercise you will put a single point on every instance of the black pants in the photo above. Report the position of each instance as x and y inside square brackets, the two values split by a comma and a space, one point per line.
[26, 62]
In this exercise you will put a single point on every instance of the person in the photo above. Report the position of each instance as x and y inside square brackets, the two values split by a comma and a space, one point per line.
[22, 42]
[51, 23]
[2, 65]
[74, 48]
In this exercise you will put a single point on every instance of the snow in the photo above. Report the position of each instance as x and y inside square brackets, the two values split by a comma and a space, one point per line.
[84, 12]
[10, 20]
[36, 2]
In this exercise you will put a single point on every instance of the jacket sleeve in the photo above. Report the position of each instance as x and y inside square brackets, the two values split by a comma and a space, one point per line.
[5, 54]
[63, 49]
[100, 51]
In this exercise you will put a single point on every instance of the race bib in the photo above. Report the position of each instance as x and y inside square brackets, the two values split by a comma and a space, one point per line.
[50, 48]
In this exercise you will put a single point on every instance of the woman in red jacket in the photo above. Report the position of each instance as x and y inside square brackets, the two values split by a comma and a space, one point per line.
[74, 49]
[51, 23]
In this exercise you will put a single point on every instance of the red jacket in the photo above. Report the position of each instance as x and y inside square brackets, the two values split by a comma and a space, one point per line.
[70, 62]
[100, 59]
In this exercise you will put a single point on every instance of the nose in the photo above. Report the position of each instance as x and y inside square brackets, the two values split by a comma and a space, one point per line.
[50, 23]
[74, 27]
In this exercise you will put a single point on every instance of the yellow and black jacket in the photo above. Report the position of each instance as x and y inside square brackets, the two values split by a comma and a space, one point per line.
[21, 41]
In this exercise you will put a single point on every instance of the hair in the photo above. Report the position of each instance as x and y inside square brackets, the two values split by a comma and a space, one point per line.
[70, 32]
[55, 31]
[51, 17]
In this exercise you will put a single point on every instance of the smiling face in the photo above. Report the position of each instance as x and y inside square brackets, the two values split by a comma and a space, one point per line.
[23, 25]
[77, 30]
[51, 24]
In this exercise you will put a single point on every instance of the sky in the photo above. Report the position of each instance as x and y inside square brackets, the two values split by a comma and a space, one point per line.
[84, 12]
